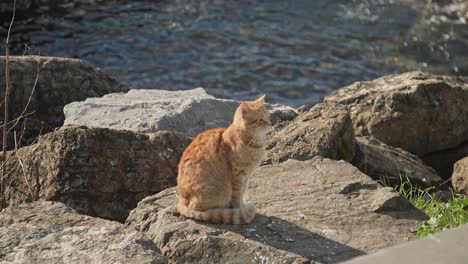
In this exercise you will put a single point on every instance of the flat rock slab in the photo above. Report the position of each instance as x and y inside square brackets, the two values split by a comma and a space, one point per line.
[318, 210]
[393, 165]
[446, 247]
[53, 83]
[325, 130]
[96, 171]
[50, 232]
[188, 112]
[419, 112]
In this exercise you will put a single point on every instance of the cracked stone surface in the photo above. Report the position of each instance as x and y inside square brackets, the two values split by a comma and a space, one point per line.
[318, 210]
[416, 111]
[381, 161]
[96, 171]
[325, 130]
[188, 112]
[59, 81]
[50, 232]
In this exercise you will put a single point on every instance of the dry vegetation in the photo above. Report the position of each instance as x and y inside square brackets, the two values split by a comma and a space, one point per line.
[9, 128]
[6, 104]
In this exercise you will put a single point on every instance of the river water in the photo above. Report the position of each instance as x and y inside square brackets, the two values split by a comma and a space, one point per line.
[294, 51]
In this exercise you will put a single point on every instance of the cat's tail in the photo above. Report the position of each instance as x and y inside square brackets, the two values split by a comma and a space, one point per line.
[233, 216]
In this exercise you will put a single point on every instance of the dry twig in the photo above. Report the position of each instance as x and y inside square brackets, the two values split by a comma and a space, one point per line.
[24, 114]
[6, 105]
[23, 169]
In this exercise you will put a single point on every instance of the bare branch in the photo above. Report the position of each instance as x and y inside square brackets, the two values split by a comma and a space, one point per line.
[23, 168]
[11, 23]
[16, 121]
[6, 105]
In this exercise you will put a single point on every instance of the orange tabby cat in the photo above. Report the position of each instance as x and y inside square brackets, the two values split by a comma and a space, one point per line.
[215, 167]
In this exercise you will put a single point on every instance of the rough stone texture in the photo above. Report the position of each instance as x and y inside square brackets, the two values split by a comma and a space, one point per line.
[445, 247]
[281, 113]
[382, 162]
[188, 112]
[443, 161]
[419, 112]
[320, 210]
[59, 82]
[325, 130]
[50, 232]
[460, 176]
[455, 9]
[96, 171]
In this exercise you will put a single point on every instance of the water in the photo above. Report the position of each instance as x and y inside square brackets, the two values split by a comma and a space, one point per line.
[294, 51]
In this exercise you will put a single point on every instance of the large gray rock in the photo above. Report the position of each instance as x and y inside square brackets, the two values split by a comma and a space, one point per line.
[188, 112]
[97, 171]
[446, 247]
[50, 232]
[320, 210]
[383, 162]
[325, 130]
[59, 81]
[460, 176]
[416, 111]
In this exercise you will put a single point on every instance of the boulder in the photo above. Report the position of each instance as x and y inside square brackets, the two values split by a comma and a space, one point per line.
[96, 171]
[443, 161]
[281, 113]
[188, 112]
[392, 165]
[50, 232]
[325, 130]
[455, 9]
[317, 210]
[42, 86]
[460, 176]
[415, 111]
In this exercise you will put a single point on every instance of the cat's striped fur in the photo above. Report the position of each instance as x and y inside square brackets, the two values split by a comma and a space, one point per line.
[215, 167]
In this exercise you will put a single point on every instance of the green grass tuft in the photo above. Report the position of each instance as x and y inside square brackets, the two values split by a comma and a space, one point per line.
[443, 215]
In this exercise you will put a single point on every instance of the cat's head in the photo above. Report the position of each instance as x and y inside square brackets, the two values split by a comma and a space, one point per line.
[253, 115]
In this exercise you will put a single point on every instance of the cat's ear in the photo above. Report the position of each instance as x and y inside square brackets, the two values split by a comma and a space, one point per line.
[245, 109]
[261, 99]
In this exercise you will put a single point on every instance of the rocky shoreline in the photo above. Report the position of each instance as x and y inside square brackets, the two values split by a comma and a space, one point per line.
[95, 149]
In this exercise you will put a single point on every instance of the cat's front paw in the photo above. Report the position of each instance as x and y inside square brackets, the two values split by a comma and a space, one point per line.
[250, 211]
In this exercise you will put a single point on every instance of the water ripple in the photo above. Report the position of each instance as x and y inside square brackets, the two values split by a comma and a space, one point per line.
[296, 52]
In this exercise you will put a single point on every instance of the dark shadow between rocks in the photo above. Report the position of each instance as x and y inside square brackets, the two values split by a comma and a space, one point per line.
[415, 214]
[283, 235]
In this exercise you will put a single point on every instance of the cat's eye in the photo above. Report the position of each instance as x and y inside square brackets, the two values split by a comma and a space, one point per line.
[263, 122]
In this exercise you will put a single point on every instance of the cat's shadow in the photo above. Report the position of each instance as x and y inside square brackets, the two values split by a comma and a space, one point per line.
[287, 236]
